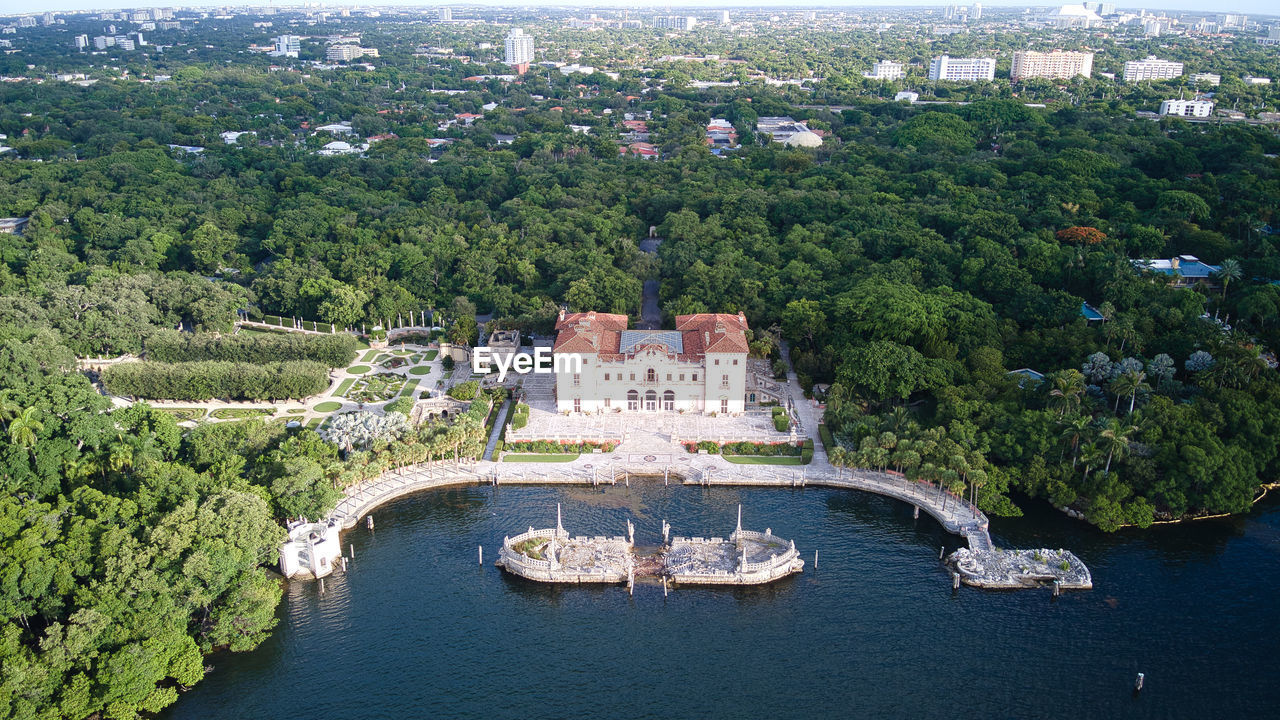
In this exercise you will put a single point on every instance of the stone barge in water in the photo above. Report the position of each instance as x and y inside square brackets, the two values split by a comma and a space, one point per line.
[745, 558]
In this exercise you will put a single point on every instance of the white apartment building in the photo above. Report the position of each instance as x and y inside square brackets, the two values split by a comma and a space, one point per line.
[287, 46]
[444, 14]
[1187, 108]
[675, 22]
[519, 47]
[886, 70]
[1056, 64]
[701, 366]
[1151, 68]
[945, 67]
[349, 52]
[1209, 78]
[1252, 80]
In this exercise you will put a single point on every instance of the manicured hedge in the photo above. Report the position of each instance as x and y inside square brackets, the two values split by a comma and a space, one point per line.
[172, 346]
[210, 380]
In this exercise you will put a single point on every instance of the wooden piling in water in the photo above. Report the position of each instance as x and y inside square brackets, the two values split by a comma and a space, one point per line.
[916, 514]
[321, 586]
[344, 564]
[955, 581]
[352, 548]
[942, 551]
[480, 549]
[1138, 682]
[815, 559]
[1057, 588]
[369, 522]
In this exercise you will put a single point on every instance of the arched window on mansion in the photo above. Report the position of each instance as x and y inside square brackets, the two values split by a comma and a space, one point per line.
[633, 400]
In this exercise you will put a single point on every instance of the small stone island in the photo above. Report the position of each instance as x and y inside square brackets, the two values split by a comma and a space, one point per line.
[1014, 569]
[746, 558]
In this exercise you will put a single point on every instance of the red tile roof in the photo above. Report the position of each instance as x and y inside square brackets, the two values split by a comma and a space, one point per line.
[601, 334]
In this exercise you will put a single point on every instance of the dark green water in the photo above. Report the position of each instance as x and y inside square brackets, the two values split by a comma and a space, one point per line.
[418, 629]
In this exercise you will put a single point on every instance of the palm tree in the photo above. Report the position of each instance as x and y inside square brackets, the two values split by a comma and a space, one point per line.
[1090, 456]
[120, 456]
[1130, 383]
[1068, 387]
[1074, 431]
[1115, 440]
[1229, 270]
[8, 411]
[24, 428]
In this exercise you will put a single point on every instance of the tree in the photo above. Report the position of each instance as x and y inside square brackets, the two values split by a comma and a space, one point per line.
[1229, 270]
[1068, 387]
[804, 320]
[1114, 440]
[1130, 383]
[25, 427]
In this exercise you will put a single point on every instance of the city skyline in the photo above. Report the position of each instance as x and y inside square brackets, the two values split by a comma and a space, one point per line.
[1249, 7]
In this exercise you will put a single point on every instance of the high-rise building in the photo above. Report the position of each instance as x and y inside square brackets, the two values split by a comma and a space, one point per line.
[945, 67]
[82, 42]
[1056, 64]
[444, 14]
[1187, 108]
[675, 22]
[724, 17]
[287, 46]
[102, 42]
[349, 52]
[1234, 20]
[47, 19]
[519, 49]
[1151, 28]
[1151, 68]
[976, 12]
[26, 21]
[124, 43]
[886, 70]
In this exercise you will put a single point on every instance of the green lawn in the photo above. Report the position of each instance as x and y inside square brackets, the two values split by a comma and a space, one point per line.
[409, 387]
[358, 369]
[420, 370]
[548, 458]
[343, 387]
[242, 413]
[369, 356]
[328, 406]
[295, 411]
[764, 459]
[431, 355]
[314, 422]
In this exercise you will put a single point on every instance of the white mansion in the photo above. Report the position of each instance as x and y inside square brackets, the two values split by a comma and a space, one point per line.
[701, 366]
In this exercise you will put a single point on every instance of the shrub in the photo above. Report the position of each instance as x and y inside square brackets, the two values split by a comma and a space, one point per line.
[806, 456]
[402, 405]
[465, 391]
[447, 362]
[172, 346]
[520, 417]
[780, 423]
[215, 379]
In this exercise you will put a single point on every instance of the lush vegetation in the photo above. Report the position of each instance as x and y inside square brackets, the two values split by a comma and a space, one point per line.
[173, 346]
[216, 379]
[910, 263]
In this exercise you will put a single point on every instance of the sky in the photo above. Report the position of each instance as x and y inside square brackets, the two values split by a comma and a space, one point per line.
[1254, 7]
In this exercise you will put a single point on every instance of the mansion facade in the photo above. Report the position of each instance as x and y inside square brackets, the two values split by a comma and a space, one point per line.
[701, 366]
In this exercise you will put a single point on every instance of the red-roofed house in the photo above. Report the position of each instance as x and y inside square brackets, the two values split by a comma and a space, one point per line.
[701, 366]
